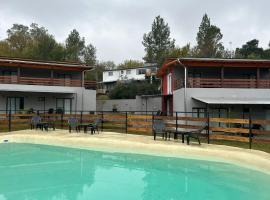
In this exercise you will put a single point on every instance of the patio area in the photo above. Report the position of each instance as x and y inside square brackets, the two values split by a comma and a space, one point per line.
[141, 144]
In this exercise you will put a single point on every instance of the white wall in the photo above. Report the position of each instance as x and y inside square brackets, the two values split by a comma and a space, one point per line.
[82, 99]
[138, 104]
[178, 97]
[117, 75]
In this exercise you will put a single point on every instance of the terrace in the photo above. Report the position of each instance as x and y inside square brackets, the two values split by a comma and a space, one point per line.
[24, 80]
[207, 77]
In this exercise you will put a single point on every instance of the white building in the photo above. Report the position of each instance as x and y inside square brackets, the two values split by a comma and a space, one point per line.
[111, 77]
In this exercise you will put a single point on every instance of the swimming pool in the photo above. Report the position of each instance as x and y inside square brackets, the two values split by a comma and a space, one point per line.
[29, 171]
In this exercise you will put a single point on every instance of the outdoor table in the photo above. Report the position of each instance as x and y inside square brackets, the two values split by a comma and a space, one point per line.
[176, 133]
[46, 125]
[85, 126]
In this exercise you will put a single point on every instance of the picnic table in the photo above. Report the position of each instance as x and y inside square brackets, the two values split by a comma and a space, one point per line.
[46, 125]
[85, 127]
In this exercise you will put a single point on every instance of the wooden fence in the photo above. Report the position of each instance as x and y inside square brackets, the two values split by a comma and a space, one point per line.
[241, 130]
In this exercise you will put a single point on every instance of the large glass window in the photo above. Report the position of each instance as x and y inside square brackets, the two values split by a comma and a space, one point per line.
[64, 104]
[14, 104]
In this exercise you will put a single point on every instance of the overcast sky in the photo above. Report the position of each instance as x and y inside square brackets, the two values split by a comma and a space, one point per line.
[116, 27]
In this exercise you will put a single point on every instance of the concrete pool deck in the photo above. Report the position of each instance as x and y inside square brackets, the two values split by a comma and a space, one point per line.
[139, 144]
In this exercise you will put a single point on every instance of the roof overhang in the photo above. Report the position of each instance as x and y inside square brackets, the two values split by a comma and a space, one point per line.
[230, 101]
[37, 89]
[26, 63]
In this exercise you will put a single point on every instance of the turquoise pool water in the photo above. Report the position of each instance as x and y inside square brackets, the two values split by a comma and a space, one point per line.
[41, 172]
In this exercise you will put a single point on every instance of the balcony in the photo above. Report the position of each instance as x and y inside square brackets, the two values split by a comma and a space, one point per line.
[222, 83]
[47, 81]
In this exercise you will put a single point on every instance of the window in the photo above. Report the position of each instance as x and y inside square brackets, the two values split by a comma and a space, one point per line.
[128, 71]
[141, 71]
[199, 112]
[64, 104]
[110, 73]
[153, 69]
[14, 104]
[169, 84]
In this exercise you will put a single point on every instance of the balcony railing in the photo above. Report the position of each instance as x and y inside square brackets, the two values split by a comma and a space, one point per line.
[46, 81]
[222, 83]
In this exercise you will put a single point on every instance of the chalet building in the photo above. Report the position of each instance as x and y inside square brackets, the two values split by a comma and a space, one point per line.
[224, 87]
[111, 77]
[29, 84]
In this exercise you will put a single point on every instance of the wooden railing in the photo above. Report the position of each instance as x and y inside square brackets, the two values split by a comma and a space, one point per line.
[230, 129]
[227, 83]
[46, 81]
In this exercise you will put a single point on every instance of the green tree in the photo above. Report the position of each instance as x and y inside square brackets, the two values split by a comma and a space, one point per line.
[180, 52]
[209, 37]
[130, 64]
[266, 53]
[4, 48]
[18, 39]
[89, 55]
[250, 50]
[129, 90]
[43, 46]
[157, 42]
[97, 73]
[74, 46]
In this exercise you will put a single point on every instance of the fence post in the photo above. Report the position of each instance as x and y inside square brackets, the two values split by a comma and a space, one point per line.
[102, 121]
[250, 131]
[9, 121]
[81, 117]
[176, 123]
[126, 122]
[208, 127]
[153, 123]
[62, 120]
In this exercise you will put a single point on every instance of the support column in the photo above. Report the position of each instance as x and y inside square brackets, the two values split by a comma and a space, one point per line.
[18, 74]
[52, 77]
[258, 77]
[82, 79]
[222, 77]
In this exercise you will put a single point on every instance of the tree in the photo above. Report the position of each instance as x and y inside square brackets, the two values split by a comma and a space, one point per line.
[74, 46]
[97, 73]
[209, 37]
[129, 90]
[89, 55]
[18, 39]
[266, 53]
[35, 42]
[250, 50]
[180, 52]
[130, 64]
[157, 42]
[43, 46]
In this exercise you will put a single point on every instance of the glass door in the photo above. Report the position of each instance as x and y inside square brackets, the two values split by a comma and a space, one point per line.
[14, 104]
[64, 104]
